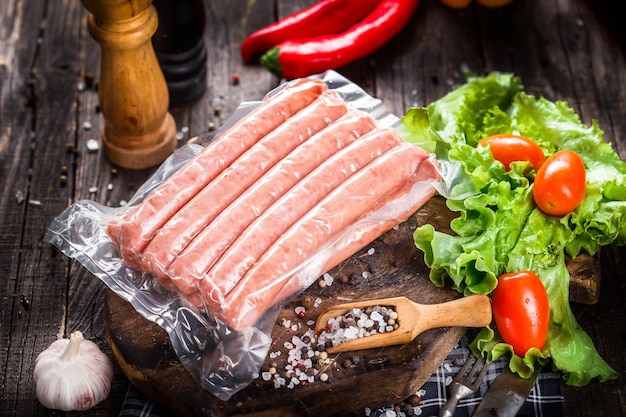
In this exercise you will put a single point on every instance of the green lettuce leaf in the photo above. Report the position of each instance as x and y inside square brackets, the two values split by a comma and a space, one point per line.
[499, 228]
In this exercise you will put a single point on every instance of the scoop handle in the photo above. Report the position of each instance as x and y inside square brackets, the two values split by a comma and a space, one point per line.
[471, 311]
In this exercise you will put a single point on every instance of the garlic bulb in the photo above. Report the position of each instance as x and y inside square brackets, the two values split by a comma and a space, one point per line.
[72, 374]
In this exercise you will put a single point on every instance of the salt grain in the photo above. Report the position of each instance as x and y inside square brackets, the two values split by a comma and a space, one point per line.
[357, 323]
[93, 145]
[328, 279]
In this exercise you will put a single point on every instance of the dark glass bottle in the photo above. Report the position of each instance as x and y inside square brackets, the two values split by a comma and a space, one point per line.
[180, 49]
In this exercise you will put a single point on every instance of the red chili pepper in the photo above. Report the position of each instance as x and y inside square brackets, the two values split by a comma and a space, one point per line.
[325, 17]
[299, 58]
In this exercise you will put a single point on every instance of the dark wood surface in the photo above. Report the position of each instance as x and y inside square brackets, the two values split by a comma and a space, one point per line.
[561, 50]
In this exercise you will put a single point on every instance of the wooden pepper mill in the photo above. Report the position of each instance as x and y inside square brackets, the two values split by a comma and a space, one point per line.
[138, 131]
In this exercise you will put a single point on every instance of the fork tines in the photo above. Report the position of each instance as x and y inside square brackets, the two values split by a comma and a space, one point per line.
[467, 380]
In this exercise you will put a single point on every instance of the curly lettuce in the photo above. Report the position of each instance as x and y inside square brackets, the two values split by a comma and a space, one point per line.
[499, 228]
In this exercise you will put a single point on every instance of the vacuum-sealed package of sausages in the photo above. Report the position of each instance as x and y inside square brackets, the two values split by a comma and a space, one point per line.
[223, 235]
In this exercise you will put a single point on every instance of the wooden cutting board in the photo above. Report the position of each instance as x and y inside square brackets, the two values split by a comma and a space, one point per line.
[390, 266]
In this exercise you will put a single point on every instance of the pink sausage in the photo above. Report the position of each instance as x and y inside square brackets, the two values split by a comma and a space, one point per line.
[183, 226]
[258, 237]
[256, 291]
[136, 225]
[192, 263]
[389, 212]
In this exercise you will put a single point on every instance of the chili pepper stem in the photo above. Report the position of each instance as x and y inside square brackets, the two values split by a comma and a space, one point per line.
[270, 59]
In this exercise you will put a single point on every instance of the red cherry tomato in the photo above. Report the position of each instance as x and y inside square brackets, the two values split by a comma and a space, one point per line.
[560, 183]
[508, 148]
[521, 310]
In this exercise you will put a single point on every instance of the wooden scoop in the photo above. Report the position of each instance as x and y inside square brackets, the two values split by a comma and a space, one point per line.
[413, 319]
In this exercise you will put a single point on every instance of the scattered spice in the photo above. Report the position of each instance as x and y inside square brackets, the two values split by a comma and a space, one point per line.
[414, 400]
[25, 302]
[307, 302]
[19, 196]
[93, 145]
[358, 323]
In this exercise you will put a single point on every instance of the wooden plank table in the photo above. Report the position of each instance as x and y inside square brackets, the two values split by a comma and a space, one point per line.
[48, 92]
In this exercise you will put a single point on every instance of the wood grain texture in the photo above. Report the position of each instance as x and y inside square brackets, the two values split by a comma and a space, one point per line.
[559, 49]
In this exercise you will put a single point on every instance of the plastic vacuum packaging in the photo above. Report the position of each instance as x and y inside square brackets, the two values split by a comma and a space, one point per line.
[223, 235]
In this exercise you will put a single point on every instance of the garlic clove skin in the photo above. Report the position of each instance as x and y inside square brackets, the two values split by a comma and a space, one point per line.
[72, 374]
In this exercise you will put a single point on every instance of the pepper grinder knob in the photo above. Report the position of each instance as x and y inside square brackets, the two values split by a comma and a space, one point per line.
[138, 131]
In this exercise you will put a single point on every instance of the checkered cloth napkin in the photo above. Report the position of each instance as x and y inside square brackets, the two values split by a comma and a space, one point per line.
[544, 400]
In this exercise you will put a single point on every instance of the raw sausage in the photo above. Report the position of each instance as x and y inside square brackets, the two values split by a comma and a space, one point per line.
[389, 212]
[256, 291]
[183, 226]
[135, 226]
[255, 240]
[193, 262]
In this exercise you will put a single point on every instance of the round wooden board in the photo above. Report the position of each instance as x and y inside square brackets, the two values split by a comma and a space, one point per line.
[390, 266]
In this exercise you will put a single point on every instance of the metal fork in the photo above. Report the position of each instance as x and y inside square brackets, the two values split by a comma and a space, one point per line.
[463, 386]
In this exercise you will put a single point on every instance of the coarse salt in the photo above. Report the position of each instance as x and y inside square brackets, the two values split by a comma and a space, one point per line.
[93, 145]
